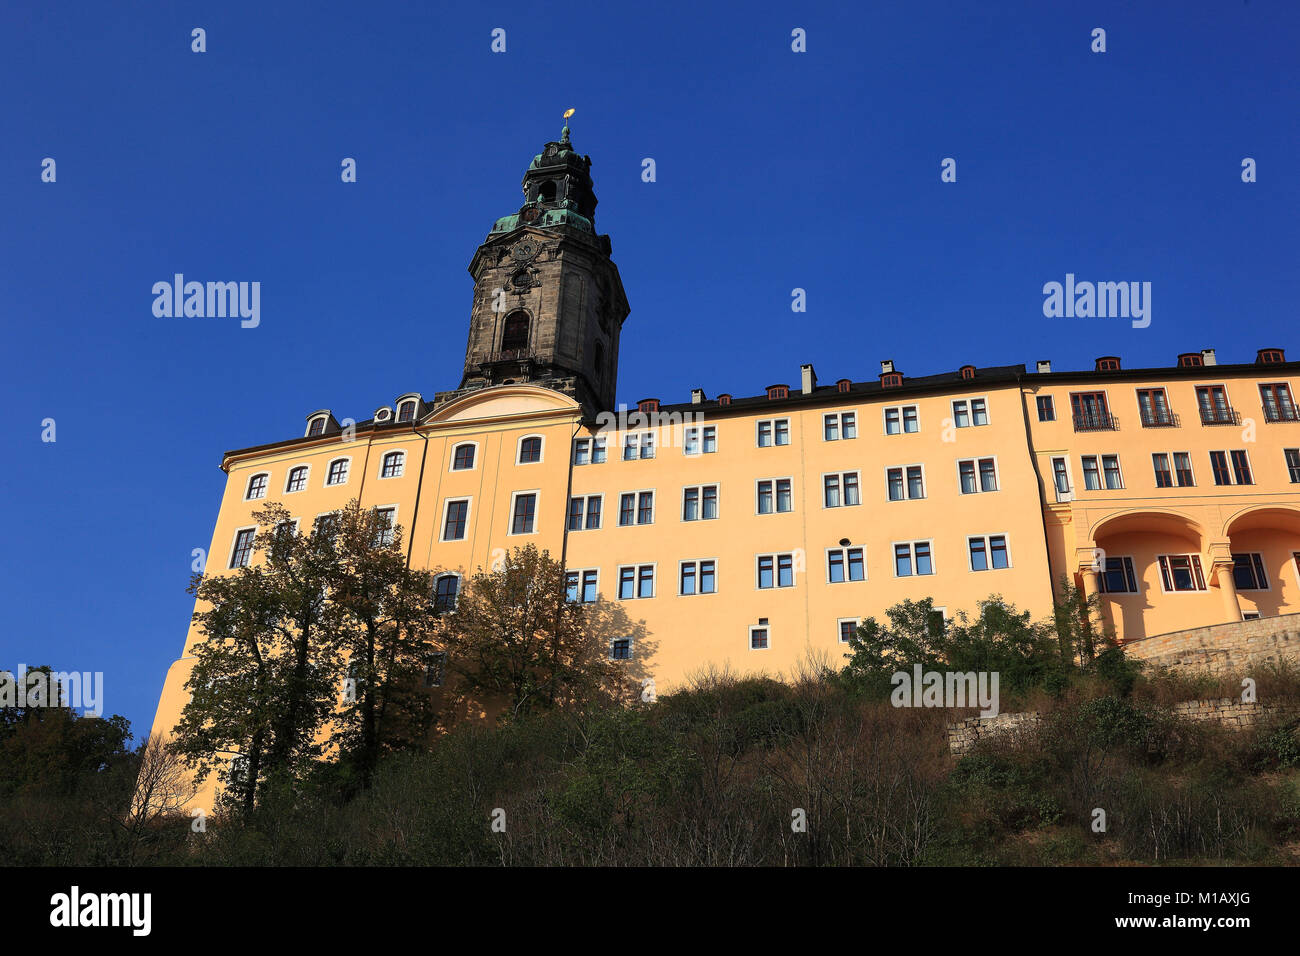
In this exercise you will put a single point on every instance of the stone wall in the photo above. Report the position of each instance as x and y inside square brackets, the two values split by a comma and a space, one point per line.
[963, 736]
[1230, 711]
[1223, 648]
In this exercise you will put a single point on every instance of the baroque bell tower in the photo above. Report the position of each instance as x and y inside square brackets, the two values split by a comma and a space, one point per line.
[548, 300]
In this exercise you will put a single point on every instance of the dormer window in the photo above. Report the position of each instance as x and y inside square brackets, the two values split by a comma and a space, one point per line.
[968, 371]
[724, 399]
[1108, 363]
[1190, 360]
[778, 391]
[891, 380]
[648, 405]
[406, 411]
[1270, 357]
[316, 426]
[843, 384]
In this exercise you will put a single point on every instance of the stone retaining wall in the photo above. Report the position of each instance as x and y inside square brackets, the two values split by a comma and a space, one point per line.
[1223, 648]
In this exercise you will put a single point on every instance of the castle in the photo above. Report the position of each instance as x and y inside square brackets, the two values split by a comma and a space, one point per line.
[749, 530]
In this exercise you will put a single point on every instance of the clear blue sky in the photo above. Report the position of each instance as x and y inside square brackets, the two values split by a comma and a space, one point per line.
[776, 170]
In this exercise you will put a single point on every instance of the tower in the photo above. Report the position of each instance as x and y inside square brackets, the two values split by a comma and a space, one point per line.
[548, 300]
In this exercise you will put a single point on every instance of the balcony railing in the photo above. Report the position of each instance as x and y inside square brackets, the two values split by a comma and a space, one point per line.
[1281, 413]
[1220, 416]
[1159, 420]
[1096, 422]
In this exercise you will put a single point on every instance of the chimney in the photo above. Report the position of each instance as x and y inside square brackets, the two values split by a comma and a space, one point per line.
[1207, 357]
[886, 366]
[697, 396]
[809, 378]
[1044, 366]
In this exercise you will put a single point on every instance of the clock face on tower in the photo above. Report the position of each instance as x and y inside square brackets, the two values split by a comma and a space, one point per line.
[526, 250]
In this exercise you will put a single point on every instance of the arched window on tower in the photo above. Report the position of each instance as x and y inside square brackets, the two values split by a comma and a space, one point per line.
[514, 337]
[546, 192]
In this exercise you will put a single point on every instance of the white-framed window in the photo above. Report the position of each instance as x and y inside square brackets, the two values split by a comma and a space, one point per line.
[937, 625]
[241, 551]
[839, 425]
[523, 512]
[774, 495]
[700, 440]
[1173, 470]
[1248, 571]
[760, 638]
[1231, 467]
[257, 485]
[584, 512]
[1046, 408]
[775, 570]
[393, 464]
[988, 552]
[530, 450]
[316, 426]
[464, 455]
[772, 431]
[636, 507]
[1061, 479]
[325, 524]
[697, 577]
[589, 451]
[1118, 577]
[841, 490]
[1101, 471]
[913, 558]
[385, 525]
[582, 585]
[1292, 456]
[846, 627]
[845, 564]
[455, 519]
[446, 589]
[337, 474]
[636, 581]
[969, 412]
[638, 445]
[905, 482]
[620, 649]
[977, 475]
[406, 411]
[902, 420]
[297, 479]
[1180, 573]
[700, 503]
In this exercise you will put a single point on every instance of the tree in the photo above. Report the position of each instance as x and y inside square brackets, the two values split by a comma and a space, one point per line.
[516, 637]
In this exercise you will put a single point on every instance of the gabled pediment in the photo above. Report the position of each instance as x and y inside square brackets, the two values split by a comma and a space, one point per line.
[502, 401]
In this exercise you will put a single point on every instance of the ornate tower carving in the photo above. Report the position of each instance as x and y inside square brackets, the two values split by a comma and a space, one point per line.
[548, 300]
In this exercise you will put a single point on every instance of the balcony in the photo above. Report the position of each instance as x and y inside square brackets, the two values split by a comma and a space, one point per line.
[1163, 419]
[1096, 422]
[1281, 413]
[1220, 416]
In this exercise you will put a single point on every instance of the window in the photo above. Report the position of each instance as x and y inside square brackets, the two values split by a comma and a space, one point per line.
[1061, 479]
[847, 627]
[702, 440]
[698, 577]
[406, 412]
[453, 525]
[841, 490]
[1109, 472]
[394, 465]
[775, 570]
[243, 550]
[1241, 468]
[1212, 401]
[514, 334]
[1046, 408]
[338, 472]
[1164, 477]
[969, 412]
[758, 638]
[773, 431]
[584, 513]
[1293, 464]
[581, 585]
[445, 590]
[845, 564]
[1248, 572]
[257, 486]
[525, 512]
[433, 673]
[700, 503]
[1219, 465]
[1153, 406]
[774, 495]
[1278, 406]
[640, 445]
[530, 450]
[1181, 572]
[837, 425]
[636, 507]
[1180, 474]
[636, 581]
[297, 480]
[620, 649]
[901, 419]
[988, 553]
[1239, 473]
[1118, 578]
[977, 474]
[462, 457]
[905, 482]
[326, 525]
[317, 427]
[937, 625]
[1090, 412]
[385, 524]
[589, 451]
[1183, 469]
[911, 558]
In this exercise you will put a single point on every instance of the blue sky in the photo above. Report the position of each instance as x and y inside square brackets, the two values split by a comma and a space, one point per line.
[775, 170]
